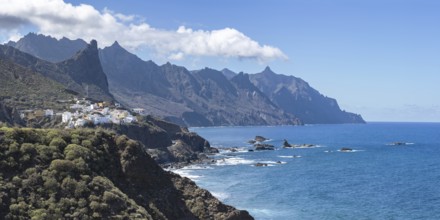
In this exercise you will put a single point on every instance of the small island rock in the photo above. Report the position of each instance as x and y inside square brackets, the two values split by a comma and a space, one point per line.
[346, 149]
[398, 143]
[286, 144]
[264, 147]
[261, 164]
[260, 138]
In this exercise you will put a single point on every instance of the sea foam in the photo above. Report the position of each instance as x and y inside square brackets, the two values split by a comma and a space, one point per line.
[234, 161]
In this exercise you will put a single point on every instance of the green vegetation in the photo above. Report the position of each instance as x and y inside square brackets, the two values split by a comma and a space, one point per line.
[26, 89]
[44, 175]
[94, 174]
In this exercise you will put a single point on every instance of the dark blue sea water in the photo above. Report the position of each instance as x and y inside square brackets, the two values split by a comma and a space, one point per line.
[376, 181]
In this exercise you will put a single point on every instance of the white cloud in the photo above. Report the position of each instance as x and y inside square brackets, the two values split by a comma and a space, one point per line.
[60, 19]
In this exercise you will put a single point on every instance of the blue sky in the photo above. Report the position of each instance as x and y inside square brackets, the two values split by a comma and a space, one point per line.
[377, 58]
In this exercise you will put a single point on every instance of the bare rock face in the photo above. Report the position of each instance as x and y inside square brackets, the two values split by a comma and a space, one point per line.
[297, 97]
[260, 138]
[264, 147]
[166, 142]
[85, 68]
[286, 144]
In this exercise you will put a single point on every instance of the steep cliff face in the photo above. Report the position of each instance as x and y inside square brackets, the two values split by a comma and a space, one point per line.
[126, 70]
[89, 174]
[297, 97]
[86, 70]
[200, 98]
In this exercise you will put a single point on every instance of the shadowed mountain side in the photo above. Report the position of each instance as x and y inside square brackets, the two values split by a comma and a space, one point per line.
[22, 89]
[228, 73]
[82, 74]
[202, 98]
[86, 70]
[48, 48]
[295, 96]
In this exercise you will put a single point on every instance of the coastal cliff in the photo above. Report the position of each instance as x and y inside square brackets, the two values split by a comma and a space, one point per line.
[90, 174]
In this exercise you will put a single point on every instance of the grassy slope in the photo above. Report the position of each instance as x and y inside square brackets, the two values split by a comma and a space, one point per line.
[26, 89]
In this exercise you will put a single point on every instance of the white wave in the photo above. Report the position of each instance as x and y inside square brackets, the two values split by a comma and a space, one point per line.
[350, 151]
[400, 144]
[233, 150]
[222, 196]
[307, 147]
[263, 212]
[186, 173]
[234, 161]
[293, 156]
[196, 167]
[274, 162]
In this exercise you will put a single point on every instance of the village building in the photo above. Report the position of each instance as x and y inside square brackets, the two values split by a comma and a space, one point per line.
[48, 113]
[139, 110]
[66, 117]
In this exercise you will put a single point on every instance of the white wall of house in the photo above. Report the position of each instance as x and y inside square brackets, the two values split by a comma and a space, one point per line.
[66, 117]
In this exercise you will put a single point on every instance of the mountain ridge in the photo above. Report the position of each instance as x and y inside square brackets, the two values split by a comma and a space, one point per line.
[193, 98]
[48, 48]
[296, 96]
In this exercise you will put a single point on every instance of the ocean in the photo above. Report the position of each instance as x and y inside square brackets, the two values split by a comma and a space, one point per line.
[377, 180]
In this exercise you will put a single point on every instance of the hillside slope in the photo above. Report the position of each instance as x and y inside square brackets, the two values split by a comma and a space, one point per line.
[81, 74]
[90, 174]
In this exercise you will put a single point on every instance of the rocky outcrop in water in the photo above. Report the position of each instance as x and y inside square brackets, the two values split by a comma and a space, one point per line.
[286, 144]
[264, 147]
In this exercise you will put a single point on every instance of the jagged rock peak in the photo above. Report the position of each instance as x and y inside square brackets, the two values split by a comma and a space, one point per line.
[268, 70]
[116, 44]
[93, 44]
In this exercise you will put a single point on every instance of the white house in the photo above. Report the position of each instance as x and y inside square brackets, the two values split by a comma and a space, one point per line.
[48, 112]
[98, 118]
[80, 122]
[129, 119]
[139, 110]
[105, 111]
[76, 106]
[66, 117]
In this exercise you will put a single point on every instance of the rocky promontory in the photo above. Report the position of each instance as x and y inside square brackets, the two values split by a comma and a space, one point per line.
[166, 142]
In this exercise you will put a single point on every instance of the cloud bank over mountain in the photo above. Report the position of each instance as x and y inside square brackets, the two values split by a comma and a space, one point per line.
[59, 19]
